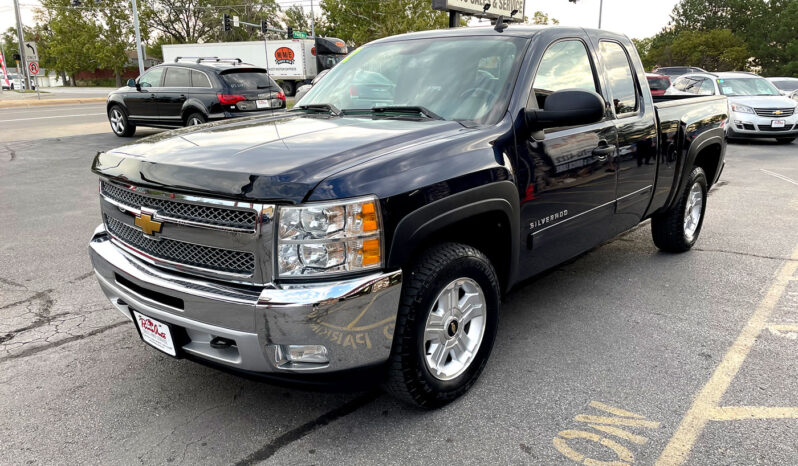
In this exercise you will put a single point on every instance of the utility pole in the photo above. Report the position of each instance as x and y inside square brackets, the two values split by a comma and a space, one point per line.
[21, 38]
[601, 8]
[312, 21]
[139, 50]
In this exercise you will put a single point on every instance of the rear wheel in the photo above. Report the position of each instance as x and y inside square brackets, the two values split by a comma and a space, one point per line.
[195, 119]
[289, 88]
[119, 122]
[785, 140]
[677, 229]
[445, 327]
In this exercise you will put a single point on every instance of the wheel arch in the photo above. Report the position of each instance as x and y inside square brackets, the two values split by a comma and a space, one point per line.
[710, 142]
[192, 106]
[486, 217]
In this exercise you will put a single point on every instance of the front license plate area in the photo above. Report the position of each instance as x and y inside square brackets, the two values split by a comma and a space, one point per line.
[155, 333]
[777, 123]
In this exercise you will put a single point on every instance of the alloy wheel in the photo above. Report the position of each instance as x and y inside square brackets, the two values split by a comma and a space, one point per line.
[117, 121]
[692, 211]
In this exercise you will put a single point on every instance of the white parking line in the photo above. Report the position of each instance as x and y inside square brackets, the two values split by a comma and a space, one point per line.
[56, 116]
[782, 177]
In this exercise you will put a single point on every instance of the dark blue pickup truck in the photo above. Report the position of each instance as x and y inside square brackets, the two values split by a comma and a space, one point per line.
[379, 223]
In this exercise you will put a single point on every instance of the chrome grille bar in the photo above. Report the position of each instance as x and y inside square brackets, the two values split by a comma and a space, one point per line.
[772, 112]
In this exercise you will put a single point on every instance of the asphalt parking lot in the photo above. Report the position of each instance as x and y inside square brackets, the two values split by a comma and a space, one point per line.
[623, 354]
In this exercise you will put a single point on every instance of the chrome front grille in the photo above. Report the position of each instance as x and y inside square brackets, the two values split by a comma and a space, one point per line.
[774, 112]
[190, 212]
[183, 253]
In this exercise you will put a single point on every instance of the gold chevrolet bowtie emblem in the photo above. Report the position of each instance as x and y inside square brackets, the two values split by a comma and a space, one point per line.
[777, 112]
[147, 224]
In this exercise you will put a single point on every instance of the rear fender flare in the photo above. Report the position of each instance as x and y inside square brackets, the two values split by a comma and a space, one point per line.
[701, 142]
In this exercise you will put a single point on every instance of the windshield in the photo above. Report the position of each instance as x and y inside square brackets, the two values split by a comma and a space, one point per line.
[658, 84]
[467, 79]
[747, 86]
[785, 85]
[247, 80]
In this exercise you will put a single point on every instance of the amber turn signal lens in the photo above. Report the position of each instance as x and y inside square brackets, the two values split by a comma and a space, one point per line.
[368, 213]
[371, 251]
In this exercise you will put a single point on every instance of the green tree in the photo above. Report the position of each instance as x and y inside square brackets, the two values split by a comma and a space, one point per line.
[542, 18]
[716, 50]
[361, 21]
[72, 37]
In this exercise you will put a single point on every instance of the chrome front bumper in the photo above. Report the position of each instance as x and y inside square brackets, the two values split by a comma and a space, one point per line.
[353, 319]
[750, 125]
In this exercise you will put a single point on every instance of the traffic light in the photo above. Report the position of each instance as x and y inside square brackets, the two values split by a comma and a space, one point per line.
[263, 26]
[290, 32]
[226, 25]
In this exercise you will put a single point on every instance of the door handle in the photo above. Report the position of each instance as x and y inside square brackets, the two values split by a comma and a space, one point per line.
[601, 152]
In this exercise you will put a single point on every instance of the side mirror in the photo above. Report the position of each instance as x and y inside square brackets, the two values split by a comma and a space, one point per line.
[131, 82]
[568, 107]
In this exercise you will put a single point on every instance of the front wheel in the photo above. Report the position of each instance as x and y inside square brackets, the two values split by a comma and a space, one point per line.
[445, 327]
[121, 126]
[677, 229]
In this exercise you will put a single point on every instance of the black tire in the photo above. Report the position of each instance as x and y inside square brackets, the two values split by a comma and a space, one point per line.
[195, 118]
[120, 124]
[409, 377]
[289, 88]
[785, 140]
[668, 228]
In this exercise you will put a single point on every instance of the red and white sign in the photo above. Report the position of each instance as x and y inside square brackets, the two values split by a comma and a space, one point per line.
[6, 82]
[155, 333]
[33, 67]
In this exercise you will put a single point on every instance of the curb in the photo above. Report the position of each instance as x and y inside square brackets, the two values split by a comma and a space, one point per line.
[37, 103]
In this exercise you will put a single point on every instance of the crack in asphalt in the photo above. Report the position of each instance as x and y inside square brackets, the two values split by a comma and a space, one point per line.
[268, 450]
[748, 254]
[8, 282]
[39, 349]
[28, 299]
[81, 277]
[12, 152]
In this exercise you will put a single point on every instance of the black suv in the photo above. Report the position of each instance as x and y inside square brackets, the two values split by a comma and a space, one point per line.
[192, 91]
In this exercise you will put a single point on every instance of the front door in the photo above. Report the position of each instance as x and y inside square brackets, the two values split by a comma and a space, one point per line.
[176, 87]
[140, 103]
[567, 181]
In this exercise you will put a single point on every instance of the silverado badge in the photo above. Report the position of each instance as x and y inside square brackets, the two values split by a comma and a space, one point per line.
[148, 226]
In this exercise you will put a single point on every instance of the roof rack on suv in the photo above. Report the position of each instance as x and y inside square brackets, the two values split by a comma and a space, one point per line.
[213, 59]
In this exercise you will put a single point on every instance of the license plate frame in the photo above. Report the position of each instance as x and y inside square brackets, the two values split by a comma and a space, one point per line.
[777, 123]
[158, 334]
[263, 104]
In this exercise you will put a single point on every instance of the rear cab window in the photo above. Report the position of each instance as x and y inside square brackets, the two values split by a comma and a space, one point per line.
[620, 78]
[658, 84]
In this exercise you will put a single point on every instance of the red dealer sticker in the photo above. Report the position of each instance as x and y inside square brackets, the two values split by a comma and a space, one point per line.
[284, 55]
[155, 333]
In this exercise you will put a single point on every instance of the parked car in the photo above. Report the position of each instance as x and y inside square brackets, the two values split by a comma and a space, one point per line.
[192, 91]
[303, 89]
[658, 83]
[339, 236]
[676, 71]
[794, 95]
[785, 85]
[16, 81]
[756, 107]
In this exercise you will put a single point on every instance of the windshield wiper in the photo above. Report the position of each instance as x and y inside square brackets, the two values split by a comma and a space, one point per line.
[414, 109]
[326, 108]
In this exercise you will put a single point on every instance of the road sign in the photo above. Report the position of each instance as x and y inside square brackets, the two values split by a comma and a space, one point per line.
[300, 35]
[472, 7]
[33, 67]
[31, 52]
[236, 22]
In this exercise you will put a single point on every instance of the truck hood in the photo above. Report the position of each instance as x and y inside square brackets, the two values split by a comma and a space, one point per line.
[763, 101]
[271, 158]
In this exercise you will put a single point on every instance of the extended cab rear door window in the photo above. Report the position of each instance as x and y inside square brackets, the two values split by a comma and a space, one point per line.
[619, 78]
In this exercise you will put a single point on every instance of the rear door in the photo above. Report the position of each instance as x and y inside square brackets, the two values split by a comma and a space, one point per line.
[567, 180]
[636, 162]
[176, 87]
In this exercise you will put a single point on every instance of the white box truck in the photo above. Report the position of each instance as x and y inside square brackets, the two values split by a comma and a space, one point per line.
[293, 62]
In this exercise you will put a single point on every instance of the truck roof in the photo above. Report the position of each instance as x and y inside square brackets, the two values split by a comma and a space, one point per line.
[514, 30]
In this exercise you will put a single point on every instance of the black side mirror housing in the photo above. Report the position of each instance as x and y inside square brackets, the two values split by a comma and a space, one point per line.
[131, 82]
[567, 107]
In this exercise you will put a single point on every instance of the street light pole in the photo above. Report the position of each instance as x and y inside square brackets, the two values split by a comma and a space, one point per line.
[21, 38]
[601, 8]
[139, 50]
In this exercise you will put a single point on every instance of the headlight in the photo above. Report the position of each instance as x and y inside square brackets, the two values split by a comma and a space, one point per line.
[329, 238]
[741, 108]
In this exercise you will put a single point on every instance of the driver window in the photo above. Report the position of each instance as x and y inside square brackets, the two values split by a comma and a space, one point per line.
[565, 65]
[151, 78]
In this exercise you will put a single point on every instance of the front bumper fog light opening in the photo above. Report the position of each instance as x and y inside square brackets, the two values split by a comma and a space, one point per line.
[301, 355]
